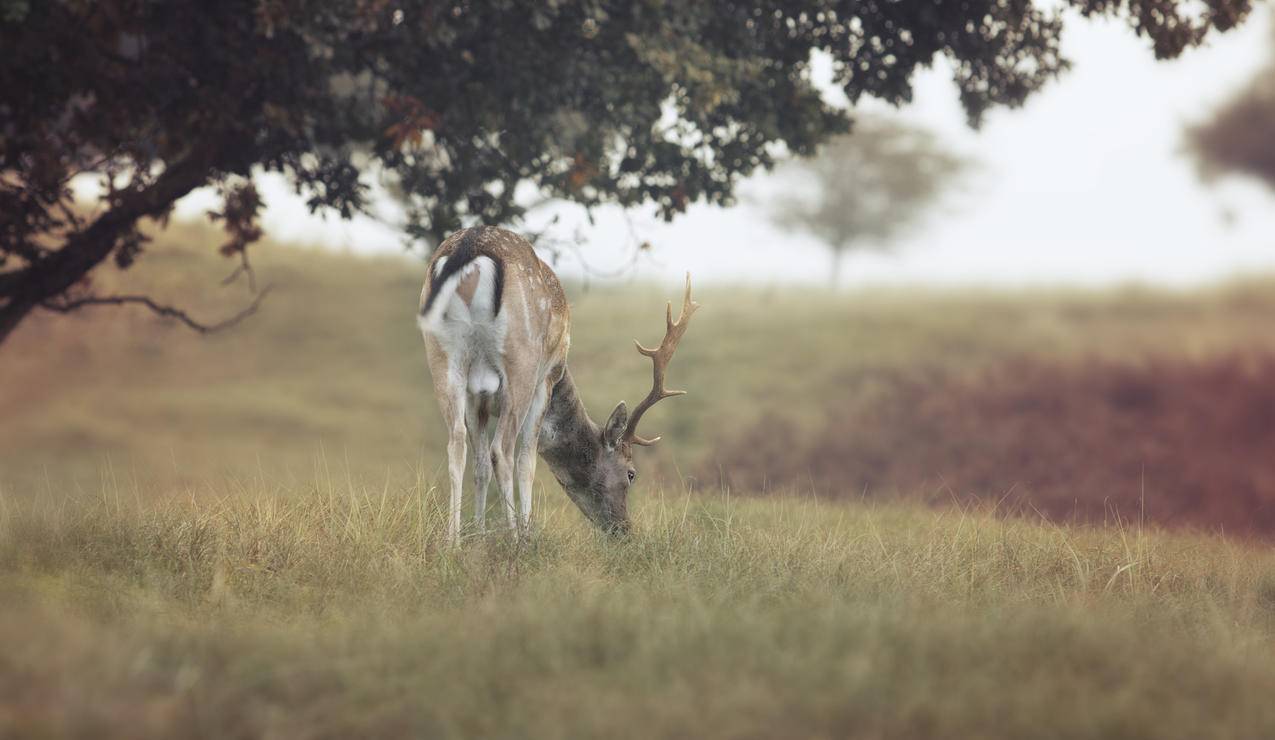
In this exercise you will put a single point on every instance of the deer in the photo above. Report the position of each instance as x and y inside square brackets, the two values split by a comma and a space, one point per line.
[497, 330]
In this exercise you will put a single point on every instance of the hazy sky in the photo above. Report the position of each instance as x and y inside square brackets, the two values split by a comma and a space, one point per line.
[1086, 184]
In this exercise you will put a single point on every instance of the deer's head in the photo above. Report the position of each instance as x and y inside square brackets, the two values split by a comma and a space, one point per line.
[602, 492]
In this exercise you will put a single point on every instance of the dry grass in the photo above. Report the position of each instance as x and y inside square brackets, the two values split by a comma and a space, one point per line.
[331, 611]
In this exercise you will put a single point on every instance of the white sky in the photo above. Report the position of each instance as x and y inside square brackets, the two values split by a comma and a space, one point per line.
[1085, 185]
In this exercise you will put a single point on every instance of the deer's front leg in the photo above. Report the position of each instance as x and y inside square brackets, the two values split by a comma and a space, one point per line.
[529, 438]
[502, 457]
[519, 385]
[526, 478]
[503, 446]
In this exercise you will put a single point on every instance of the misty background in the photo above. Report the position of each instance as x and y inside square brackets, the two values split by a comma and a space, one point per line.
[1088, 184]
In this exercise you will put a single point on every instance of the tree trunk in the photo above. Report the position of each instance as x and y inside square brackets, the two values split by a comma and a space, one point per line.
[834, 277]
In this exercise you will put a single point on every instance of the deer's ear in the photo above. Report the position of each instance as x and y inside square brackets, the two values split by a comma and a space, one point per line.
[614, 429]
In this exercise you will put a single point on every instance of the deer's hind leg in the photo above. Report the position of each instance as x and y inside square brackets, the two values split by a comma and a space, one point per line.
[449, 389]
[453, 406]
[479, 424]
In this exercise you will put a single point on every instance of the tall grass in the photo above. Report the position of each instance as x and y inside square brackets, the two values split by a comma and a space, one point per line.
[333, 610]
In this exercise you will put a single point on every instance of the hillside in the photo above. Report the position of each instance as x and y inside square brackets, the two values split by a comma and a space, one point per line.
[1077, 405]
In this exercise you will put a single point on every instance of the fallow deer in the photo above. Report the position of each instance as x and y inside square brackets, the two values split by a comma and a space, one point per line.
[497, 328]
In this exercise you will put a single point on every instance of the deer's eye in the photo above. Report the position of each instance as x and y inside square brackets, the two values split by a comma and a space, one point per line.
[632, 475]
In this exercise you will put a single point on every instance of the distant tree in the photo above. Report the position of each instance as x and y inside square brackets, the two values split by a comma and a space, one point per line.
[1239, 137]
[458, 103]
[865, 189]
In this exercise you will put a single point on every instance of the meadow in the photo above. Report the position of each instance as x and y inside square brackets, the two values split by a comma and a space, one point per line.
[877, 514]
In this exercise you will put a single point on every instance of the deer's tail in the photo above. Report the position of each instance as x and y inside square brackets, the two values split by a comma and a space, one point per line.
[454, 268]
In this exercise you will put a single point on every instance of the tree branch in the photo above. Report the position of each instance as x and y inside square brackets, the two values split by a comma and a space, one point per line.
[157, 308]
[53, 274]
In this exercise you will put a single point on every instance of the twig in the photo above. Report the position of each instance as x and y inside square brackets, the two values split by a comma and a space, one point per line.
[574, 246]
[244, 268]
[159, 309]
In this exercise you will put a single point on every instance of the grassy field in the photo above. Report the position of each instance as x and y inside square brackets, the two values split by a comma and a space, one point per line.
[331, 611]
[238, 535]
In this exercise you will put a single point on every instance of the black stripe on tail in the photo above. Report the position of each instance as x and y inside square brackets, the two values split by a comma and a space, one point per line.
[466, 251]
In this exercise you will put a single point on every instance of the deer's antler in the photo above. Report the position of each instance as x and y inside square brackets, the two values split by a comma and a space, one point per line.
[660, 357]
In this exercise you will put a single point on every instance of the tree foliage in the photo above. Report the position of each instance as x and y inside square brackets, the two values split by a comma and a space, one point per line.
[458, 103]
[1239, 137]
[869, 187]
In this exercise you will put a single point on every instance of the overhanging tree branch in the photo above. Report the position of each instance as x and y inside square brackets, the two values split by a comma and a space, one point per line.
[55, 273]
[158, 308]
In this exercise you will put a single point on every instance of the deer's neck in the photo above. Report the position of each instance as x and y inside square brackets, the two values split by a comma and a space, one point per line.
[569, 440]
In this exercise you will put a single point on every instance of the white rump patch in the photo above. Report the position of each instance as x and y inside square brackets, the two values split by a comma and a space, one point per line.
[449, 307]
[471, 334]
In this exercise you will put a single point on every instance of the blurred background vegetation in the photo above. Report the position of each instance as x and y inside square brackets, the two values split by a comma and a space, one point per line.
[1071, 403]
